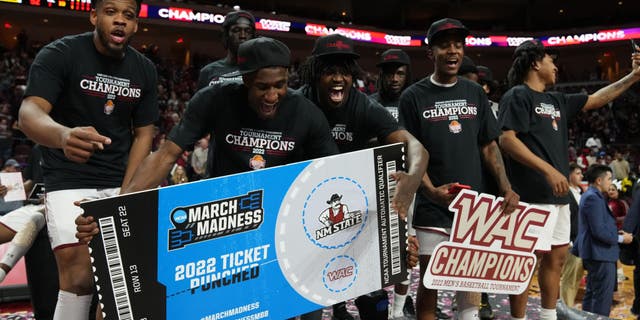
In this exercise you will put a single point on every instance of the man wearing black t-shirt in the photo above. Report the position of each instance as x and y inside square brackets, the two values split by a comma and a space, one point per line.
[238, 27]
[534, 133]
[283, 126]
[450, 115]
[354, 119]
[394, 77]
[91, 101]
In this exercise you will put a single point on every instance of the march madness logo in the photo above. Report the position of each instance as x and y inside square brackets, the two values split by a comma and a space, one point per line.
[335, 212]
[337, 217]
[216, 219]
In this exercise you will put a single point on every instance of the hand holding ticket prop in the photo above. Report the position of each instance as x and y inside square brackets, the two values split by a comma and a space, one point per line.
[86, 228]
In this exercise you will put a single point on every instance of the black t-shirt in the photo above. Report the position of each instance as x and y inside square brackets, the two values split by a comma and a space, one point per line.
[391, 105]
[359, 120]
[212, 73]
[452, 123]
[87, 88]
[540, 121]
[245, 142]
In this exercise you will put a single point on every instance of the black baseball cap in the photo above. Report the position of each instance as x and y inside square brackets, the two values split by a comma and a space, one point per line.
[334, 44]
[535, 45]
[233, 16]
[446, 26]
[261, 52]
[395, 56]
[467, 66]
[484, 74]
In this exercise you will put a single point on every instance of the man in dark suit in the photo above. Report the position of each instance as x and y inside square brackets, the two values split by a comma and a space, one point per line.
[632, 225]
[597, 241]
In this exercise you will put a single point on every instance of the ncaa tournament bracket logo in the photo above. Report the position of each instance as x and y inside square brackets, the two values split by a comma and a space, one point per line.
[340, 273]
[215, 219]
[335, 212]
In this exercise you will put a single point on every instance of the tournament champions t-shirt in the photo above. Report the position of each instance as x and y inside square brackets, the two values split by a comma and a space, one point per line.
[213, 73]
[245, 142]
[89, 89]
[540, 121]
[357, 121]
[452, 123]
[390, 105]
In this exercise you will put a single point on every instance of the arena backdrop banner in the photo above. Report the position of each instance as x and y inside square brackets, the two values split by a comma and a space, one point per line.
[272, 243]
[487, 251]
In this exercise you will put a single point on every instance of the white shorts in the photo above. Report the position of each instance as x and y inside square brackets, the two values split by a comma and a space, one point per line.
[17, 219]
[428, 239]
[62, 213]
[559, 227]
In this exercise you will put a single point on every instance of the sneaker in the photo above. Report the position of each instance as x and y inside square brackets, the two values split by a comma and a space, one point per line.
[486, 312]
[409, 309]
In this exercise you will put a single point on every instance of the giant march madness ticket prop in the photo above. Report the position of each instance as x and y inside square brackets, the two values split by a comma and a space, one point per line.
[488, 251]
[272, 243]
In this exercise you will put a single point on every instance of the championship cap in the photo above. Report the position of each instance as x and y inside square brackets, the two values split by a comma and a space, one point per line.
[261, 52]
[395, 56]
[334, 44]
[233, 16]
[467, 66]
[446, 26]
[484, 74]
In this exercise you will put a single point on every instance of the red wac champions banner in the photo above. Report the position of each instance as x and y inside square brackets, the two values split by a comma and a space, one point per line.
[488, 251]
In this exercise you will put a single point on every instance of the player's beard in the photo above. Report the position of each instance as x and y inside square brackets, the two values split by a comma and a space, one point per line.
[113, 50]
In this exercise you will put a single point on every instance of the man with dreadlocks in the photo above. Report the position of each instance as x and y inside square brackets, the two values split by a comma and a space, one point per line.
[534, 134]
[327, 78]
[238, 27]
[394, 77]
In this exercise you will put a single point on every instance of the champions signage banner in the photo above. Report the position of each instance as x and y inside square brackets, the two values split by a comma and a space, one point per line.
[271, 243]
[487, 251]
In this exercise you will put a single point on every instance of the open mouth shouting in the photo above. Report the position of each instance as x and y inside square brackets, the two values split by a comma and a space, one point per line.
[336, 94]
[117, 36]
[268, 110]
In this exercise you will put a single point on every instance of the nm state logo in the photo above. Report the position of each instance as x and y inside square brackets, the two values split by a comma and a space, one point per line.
[335, 212]
[215, 219]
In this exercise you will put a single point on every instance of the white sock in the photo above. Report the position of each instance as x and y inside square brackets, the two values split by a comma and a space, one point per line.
[468, 314]
[72, 307]
[548, 314]
[22, 241]
[398, 304]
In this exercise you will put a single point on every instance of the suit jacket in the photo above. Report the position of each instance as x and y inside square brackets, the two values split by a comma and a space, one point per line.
[574, 208]
[597, 232]
[631, 222]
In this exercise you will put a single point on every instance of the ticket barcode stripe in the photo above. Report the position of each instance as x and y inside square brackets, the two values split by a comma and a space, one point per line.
[394, 225]
[116, 273]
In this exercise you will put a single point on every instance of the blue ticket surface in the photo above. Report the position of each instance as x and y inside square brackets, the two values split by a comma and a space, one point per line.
[272, 243]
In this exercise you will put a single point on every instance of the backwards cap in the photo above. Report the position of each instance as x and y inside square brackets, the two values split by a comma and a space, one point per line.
[261, 52]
